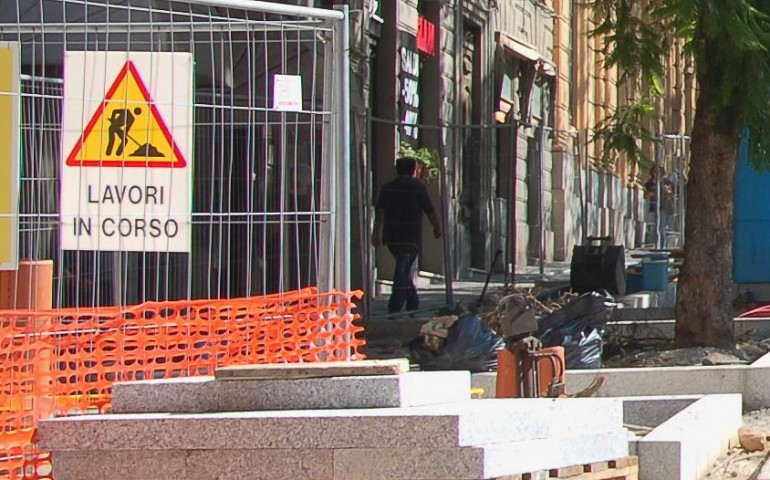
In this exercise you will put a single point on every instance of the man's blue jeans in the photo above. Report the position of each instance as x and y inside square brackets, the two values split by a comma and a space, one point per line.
[404, 290]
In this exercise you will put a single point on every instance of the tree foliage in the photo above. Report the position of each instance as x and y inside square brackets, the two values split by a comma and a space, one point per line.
[729, 41]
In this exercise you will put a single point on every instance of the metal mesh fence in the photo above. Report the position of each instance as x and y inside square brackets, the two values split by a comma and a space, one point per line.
[263, 194]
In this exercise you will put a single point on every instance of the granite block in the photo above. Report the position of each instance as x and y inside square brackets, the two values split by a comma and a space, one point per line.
[686, 445]
[194, 465]
[260, 464]
[288, 371]
[119, 465]
[473, 463]
[473, 422]
[204, 394]
[186, 394]
[757, 392]
[622, 382]
[651, 411]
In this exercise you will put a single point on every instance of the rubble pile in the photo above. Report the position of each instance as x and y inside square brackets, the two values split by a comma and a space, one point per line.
[550, 317]
[540, 300]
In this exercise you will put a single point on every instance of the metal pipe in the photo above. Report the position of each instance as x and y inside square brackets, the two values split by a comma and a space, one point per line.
[541, 202]
[510, 265]
[658, 240]
[457, 145]
[445, 205]
[342, 51]
[366, 246]
[581, 188]
[446, 240]
[274, 8]
[203, 25]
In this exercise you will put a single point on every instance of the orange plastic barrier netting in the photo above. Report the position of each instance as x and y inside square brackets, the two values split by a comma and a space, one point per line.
[64, 362]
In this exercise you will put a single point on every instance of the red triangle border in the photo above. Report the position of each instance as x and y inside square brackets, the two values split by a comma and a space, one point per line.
[128, 68]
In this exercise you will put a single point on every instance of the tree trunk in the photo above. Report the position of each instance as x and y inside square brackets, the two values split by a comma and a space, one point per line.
[704, 313]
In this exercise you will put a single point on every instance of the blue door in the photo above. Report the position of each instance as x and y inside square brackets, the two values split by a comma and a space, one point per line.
[751, 247]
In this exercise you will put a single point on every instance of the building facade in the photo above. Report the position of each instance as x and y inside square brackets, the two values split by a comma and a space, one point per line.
[507, 94]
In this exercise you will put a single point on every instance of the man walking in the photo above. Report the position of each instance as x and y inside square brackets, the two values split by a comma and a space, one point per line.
[398, 224]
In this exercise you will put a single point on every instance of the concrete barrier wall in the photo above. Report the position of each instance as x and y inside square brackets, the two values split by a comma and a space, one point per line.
[753, 381]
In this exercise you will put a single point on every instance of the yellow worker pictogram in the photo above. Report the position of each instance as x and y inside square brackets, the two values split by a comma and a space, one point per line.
[126, 130]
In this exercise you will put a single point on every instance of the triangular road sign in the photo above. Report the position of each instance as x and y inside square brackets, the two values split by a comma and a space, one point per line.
[126, 130]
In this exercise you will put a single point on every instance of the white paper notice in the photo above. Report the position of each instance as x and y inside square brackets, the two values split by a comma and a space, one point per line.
[287, 93]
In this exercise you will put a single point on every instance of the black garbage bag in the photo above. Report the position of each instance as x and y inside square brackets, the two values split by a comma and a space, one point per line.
[469, 345]
[595, 307]
[578, 327]
[582, 343]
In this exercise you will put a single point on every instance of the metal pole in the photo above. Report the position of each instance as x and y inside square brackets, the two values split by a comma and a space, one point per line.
[541, 206]
[342, 245]
[274, 8]
[456, 131]
[683, 192]
[658, 242]
[366, 246]
[510, 207]
[447, 244]
[581, 187]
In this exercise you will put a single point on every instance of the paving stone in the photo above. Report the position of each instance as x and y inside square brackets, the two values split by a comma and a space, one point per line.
[205, 394]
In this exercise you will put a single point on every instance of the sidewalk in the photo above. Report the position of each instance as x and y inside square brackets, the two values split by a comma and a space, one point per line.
[389, 336]
[433, 296]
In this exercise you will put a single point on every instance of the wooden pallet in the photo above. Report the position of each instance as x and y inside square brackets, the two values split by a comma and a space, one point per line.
[626, 468]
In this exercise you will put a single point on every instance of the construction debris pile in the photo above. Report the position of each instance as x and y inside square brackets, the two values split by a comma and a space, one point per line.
[469, 337]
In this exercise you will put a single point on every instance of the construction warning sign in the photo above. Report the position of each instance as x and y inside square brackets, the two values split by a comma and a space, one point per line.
[127, 134]
[127, 130]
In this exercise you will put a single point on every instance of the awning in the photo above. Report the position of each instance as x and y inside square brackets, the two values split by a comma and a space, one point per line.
[525, 51]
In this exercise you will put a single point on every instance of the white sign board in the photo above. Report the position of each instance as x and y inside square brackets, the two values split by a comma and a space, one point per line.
[287, 93]
[127, 133]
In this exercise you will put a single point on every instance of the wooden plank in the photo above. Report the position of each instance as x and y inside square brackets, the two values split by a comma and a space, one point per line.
[630, 472]
[286, 371]
[624, 462]
[596, 467]
[534, 475]
[564, 472]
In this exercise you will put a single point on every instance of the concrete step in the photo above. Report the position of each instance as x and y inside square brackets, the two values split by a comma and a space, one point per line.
[470, 463]
[463, 424]
[205, 394]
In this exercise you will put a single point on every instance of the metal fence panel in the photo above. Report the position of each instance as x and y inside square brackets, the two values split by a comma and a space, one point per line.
[265, 184]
